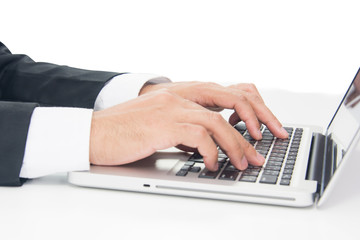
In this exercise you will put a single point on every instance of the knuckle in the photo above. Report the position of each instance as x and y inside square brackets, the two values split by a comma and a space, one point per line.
[257, 98]
[235, 150]
[247, 147]
[200, 132]
[213, 84]
[206, 84]
[215, 116]
[164, 96]
[252, 87]
[242, 98]
[239, 148]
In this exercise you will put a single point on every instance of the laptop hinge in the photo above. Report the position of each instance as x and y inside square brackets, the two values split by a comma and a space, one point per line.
[322, 160]
[329, 164]
[316, 159]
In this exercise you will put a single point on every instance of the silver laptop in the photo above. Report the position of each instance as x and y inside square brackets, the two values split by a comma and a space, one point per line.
[298, 171]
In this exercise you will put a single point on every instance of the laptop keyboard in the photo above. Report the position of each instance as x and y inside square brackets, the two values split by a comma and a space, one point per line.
[280, 155]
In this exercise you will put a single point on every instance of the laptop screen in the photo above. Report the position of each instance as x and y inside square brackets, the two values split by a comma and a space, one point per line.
[346, 121]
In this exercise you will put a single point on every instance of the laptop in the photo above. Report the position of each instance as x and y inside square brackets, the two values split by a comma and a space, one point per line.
[299, 171]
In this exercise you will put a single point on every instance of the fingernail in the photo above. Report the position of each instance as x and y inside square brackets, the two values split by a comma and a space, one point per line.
[260, 158]
[259, 134]
[216, 166]
[284, 132]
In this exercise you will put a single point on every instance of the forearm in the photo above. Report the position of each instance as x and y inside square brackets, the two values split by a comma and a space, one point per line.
[22, 79]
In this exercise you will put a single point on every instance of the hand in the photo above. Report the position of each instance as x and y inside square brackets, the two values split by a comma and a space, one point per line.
[159, 120]
[243, 98]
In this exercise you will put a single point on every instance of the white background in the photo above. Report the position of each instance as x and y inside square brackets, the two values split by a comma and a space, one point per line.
[311, 46]
[305, 46]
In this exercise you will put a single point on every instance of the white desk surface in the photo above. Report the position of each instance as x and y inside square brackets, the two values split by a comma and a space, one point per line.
[50, 208]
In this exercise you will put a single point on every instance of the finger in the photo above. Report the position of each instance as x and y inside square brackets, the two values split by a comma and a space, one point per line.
[240, 152]
[262, 112]
[267, 117]
[230, 99]
[195, 136]
[229, 140]
[222, 97]
[250, 154]
[247, 87]
[234, 119]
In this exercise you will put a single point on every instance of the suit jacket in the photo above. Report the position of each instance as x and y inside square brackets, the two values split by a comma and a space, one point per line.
[24, 85]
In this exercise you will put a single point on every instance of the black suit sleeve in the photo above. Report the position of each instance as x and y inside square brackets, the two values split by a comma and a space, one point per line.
[14, 123]
[24, 85]
[22, 79]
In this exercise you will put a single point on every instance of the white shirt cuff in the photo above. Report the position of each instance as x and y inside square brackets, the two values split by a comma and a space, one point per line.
[58, 138]
[121, 88]
[57, 141]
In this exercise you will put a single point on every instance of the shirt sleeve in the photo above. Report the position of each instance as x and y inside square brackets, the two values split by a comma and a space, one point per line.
[121, 89]
[58, 141]
[58, 137]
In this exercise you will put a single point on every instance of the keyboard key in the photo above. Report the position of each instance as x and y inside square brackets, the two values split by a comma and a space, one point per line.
[289, 166]
[195, 169]
[250, 172]
[222, 160]
[288, 129]
[274, 168]
[280, 147]
[248, 178]
[262, 148]
[265, 143]
[273, 163]
[285, 181]
[182, 173]
[185, 168]
[276, 159]
[231, 167]
[286, 176]
[267, 137]
[229, 175]
[220, 151]
[269, 179]
[196, 158]
[299, 130]
[209, 174]
[275, 150]
[241, 127]
[280, 155]
[294, 148]
[263, 153]
[290, 161]
[254, 167]
[190, 163]
[271, 172]
[292, 154]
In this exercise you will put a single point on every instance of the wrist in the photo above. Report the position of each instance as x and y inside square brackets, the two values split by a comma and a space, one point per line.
[153, 84]
[93, 137]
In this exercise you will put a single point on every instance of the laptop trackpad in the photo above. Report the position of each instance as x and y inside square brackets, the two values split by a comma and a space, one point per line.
[159, 162]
